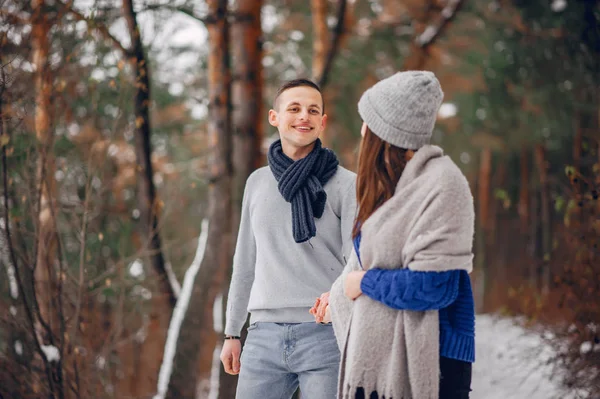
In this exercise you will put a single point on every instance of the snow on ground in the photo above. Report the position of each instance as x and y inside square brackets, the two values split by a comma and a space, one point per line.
[511, 363]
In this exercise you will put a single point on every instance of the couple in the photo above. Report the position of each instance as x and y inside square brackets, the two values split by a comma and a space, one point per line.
[390, 248]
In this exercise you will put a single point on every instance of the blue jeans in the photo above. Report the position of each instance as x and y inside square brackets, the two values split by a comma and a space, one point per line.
[277, 357]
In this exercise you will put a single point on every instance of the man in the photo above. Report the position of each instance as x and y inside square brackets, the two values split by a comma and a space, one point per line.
[293, 242]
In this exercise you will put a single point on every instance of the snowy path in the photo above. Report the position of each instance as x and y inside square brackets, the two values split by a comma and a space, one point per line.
[510, 363]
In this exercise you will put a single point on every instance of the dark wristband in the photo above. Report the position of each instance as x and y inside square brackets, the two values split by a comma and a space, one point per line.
[231, 337]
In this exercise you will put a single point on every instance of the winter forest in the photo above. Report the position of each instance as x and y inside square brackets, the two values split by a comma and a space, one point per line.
[128, 129]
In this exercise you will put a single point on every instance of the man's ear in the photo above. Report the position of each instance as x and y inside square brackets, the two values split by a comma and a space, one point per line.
[324, 122]
[273, 118]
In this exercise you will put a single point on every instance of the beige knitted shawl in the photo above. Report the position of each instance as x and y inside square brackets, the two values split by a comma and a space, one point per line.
[427, 225]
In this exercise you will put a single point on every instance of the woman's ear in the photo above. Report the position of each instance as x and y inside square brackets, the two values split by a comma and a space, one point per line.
[409, 155]
[363, 129]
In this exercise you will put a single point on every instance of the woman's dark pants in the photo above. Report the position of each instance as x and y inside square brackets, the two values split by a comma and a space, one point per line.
[455, 381]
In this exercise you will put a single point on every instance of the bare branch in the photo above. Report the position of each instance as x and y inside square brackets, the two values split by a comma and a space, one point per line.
[182, 9]
[101, 28]
[82, 256]
[13, 259]
[14, 19]
[433, 31]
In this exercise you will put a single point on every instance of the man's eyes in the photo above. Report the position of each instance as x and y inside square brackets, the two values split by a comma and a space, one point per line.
[312, 111]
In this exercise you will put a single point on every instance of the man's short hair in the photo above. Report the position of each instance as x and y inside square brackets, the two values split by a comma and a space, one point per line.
[298, 83]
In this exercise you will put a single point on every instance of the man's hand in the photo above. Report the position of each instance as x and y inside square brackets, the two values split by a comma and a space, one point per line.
[352, 284]
[320, 309]
[326, 318]
[230, 356]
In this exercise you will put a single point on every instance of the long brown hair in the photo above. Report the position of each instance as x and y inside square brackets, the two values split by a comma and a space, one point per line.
[380, 166]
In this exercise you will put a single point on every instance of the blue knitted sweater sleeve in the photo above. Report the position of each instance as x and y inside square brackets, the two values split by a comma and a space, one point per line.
[411, 290]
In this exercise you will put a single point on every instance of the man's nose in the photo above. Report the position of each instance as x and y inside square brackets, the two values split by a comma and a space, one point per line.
[304, 114]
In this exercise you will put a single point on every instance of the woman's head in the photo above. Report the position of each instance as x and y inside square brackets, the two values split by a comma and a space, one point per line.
[399, 114]
[402, 109]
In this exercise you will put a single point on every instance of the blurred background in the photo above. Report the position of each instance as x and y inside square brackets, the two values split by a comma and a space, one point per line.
[128, 129]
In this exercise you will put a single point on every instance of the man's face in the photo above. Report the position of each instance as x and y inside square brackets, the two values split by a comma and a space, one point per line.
[298, 117]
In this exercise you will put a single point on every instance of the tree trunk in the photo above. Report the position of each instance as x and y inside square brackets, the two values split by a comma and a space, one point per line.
[534, 233]
[320, 37]
[496, 236]
[483, 200]
[325, 53]
[247, 95]
[46, 240]
[148, 202]
[577, 150]
[485, 174]
[546, 217]
[149, 352]
[523, 206]
[47, 278]
[578, 141]
[417, 57]
[198, 325]
[247, 120]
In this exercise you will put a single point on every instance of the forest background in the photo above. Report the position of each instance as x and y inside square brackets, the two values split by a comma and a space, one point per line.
[128, 129]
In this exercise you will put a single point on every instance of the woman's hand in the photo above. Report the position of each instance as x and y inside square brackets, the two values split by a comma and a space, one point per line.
[352, 284]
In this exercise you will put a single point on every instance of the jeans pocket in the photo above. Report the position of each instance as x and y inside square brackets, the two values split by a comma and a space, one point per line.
[252, 326]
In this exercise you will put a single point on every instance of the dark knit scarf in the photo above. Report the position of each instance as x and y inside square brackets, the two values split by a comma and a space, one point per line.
[301, 184]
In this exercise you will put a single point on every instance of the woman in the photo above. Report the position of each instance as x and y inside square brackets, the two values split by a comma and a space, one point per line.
[411, 335]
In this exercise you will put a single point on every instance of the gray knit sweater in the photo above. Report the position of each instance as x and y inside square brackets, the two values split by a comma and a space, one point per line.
[427, 225]
[275, 278]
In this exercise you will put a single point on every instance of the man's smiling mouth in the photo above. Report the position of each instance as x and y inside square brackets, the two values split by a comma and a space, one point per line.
[303, 128]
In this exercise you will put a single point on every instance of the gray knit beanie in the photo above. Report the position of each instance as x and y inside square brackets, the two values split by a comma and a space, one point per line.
[402, 109]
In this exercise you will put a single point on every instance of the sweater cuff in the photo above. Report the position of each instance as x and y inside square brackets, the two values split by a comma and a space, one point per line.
[369, 282]
[233, 328]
